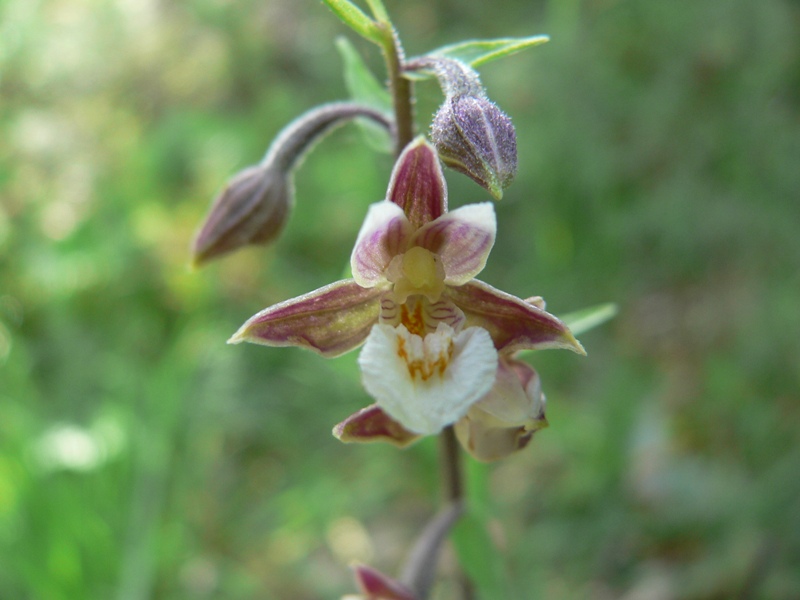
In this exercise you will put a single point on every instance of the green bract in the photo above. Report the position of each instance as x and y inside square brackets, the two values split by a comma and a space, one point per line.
[355, 18]
[585, 319]
[478, 52]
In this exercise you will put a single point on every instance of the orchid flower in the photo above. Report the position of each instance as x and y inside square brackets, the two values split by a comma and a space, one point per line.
[433, 333]
[500, 423]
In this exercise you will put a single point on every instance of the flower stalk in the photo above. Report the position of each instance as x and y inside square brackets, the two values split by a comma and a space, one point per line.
[451, 465]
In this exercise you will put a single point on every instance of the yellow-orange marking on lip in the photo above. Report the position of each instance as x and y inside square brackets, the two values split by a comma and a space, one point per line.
[413, 321]
[425, 367]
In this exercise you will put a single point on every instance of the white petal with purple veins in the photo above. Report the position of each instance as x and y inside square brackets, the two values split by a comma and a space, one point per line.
[462, 239]
[385, 234]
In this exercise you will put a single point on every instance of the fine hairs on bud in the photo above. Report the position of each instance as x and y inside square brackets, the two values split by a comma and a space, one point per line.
[471, 134]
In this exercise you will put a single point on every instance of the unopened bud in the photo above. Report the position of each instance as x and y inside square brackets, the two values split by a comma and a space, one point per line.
[252, 209]
[255, 205]
[471, 134]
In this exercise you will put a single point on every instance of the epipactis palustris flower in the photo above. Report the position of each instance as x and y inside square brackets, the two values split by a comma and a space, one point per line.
[433, 333]
[500, 423]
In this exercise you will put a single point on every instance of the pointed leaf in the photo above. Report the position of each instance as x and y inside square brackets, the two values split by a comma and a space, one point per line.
[354, 17]
[379, 10]
[478, 52]
[365, 88]
[583, 320]
[330, 321]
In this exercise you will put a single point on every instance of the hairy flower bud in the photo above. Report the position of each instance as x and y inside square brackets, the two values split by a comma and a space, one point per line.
[254, 206]
[471, 134]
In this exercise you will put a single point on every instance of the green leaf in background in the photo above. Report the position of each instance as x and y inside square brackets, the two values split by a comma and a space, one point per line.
[365, 88]
[477, 553]
[477, 487]
[479, 557]
[478, 52]
[585, 319]
[355, 18]
[581, 321]
[379, 10]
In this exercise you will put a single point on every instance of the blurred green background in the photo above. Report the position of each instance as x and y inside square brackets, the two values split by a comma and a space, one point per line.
[141, 457]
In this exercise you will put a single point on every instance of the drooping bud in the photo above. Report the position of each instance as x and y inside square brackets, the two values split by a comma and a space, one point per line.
[255, 204]
[252, 209]
[471, 134]
[419, 570]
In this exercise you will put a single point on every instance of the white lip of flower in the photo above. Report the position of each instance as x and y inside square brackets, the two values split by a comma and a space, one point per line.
[426, 383]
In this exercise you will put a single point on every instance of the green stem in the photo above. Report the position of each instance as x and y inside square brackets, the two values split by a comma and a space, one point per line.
[399, 86]
[453, 487]
[452, 475]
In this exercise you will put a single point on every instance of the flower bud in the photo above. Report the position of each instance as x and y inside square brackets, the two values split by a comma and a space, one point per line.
[254, 206]
[473, 136]
[252, 209]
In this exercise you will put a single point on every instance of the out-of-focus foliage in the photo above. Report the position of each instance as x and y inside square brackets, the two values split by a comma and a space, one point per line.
[141, 457]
